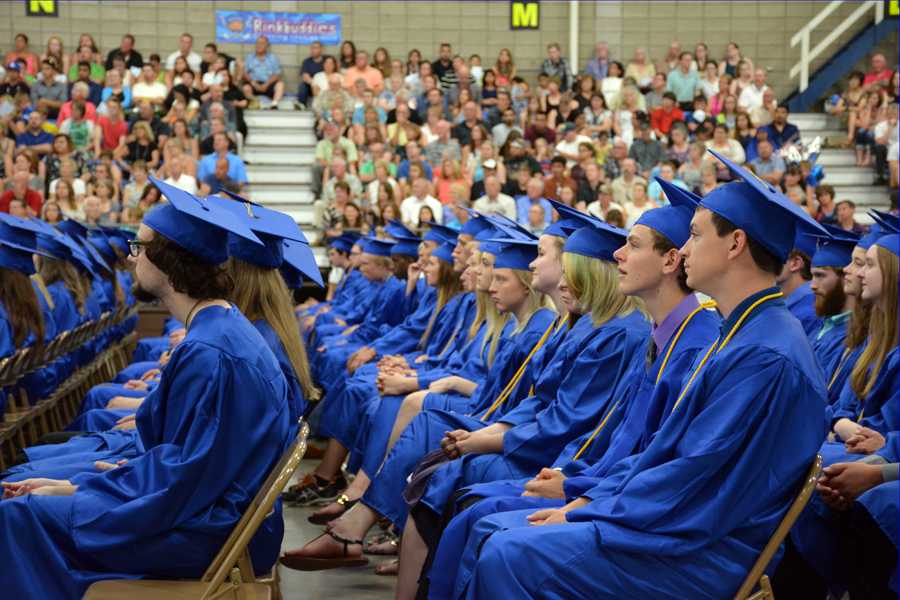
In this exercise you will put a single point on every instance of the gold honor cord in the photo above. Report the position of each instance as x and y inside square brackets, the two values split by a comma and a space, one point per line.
[715, 347]
[518, 375]
[659, 375]
[844, 356]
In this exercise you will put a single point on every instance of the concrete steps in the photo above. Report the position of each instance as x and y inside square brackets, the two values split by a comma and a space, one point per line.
[850, 182]
[280, 152]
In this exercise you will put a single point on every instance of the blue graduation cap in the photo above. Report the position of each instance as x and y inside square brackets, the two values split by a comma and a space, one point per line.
[445, 251]
[835, 250]
[270, 226]
[760, 209]
[476, 223]
[342, 243]
[510, 228]
[514, 253]
[439, 233]
[299, 262]
[94, 256]
[73, 228]
[17, 245]
[118, 238]
[19, 234]
[673, 221]
[99, 240]
[569, 220]
[890, 242]
[377, 247]
[396, 229]
[11, 257]
[598, 240]
[195, 224]
[406, 247]
[806, 242]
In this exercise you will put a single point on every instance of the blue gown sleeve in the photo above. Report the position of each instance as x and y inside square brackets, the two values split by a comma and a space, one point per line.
[735, 444]
[585, 392]
[190, 475]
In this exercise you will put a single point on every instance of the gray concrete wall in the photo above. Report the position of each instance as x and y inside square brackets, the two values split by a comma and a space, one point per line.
[763, 29]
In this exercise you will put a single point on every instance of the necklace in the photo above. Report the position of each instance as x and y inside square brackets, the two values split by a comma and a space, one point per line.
[190, 315]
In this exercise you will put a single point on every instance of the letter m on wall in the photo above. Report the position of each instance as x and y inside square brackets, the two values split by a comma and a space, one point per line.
[524, 15]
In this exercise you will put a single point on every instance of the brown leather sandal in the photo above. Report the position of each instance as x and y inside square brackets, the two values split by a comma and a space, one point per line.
[313, 563]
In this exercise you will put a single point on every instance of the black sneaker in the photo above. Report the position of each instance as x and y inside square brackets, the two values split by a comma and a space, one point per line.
[313, 491]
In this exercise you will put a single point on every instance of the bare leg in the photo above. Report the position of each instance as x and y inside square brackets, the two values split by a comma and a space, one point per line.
[353, 525]
[412, 405]
[413, 553]
[354, 491]
[279, 92]
[332, 459]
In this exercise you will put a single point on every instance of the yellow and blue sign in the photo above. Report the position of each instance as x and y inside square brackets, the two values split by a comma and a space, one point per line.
[243, 27]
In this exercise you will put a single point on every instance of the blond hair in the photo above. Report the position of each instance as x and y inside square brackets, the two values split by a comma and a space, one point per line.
[882, 328]
[261, 293]
[594, 283]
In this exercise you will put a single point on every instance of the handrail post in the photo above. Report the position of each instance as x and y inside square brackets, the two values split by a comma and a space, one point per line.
[804, 61]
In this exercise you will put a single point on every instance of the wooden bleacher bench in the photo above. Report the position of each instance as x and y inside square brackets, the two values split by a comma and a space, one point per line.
[230, 574]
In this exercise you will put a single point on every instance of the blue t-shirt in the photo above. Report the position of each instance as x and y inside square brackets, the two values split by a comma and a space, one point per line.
[236, 171]
[30, 139]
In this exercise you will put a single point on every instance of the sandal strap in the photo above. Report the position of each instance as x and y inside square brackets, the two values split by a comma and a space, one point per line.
[346, 542]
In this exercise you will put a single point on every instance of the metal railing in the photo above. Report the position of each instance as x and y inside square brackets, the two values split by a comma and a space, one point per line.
[807, 55]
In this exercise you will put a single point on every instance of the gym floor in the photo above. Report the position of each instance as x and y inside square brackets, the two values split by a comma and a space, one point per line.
[359, 583]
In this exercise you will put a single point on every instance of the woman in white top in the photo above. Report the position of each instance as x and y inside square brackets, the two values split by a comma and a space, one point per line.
[629, 102]
[639, 204]
[709, 82]
[382, 177]
[744, 78]
[320, 79]
[612, 83]
[725, 145]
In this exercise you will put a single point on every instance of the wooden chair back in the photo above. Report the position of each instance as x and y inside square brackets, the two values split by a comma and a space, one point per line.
[234, 551]
[757, 573]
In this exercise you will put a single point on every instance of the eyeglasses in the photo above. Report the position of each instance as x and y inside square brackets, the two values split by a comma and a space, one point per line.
[135, 247]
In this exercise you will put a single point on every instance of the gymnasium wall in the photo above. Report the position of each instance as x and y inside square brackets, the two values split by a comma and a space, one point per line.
[763, 29]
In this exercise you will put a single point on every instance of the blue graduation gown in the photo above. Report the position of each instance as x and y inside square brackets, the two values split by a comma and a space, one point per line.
[879, 410]
[572, 388]
[697, 506]
[218, 424]
[815, 534]
[802, 304]
[383, 312]
[41, 383]
[647, 402]
[406, 336]
[511, 353]
[828, 346]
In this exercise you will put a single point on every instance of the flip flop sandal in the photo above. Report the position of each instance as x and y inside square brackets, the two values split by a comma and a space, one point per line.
[388, 569]
[311, 563]
[323, 518]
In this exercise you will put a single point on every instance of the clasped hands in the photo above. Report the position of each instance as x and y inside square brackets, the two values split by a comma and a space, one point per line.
[38, 486]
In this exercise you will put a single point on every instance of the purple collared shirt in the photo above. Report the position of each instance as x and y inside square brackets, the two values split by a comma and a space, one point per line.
[663, 332]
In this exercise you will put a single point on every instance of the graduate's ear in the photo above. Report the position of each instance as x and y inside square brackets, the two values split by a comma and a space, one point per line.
[738, 242]
[672, 261]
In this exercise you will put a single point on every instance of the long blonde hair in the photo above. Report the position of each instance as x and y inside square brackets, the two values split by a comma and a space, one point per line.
[594, 283]
[882, 328]
[536, 300]
[260, 293]
[495, 321]
[52, 270]
[448, 286]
